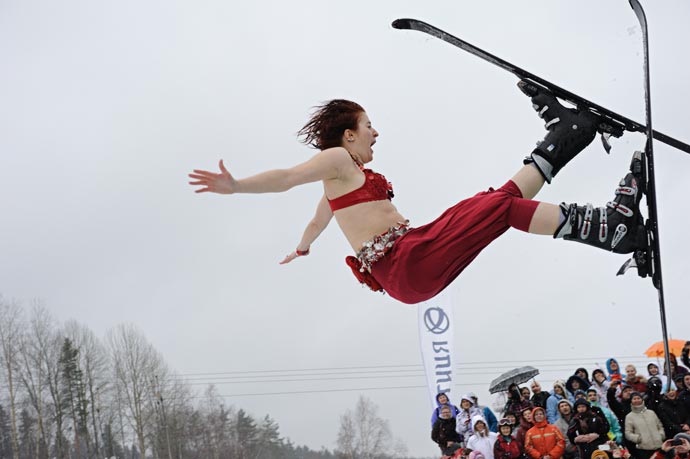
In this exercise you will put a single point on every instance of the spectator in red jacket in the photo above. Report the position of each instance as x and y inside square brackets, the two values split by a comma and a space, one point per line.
[506, 447]
[632, 379]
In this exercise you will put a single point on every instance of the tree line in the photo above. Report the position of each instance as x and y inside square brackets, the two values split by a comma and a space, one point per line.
[66, 394]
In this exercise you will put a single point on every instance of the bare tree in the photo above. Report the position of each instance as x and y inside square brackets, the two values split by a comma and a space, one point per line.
[10, 344]
[135, 363]
[363, 434]
[32, 371]
[346, 441]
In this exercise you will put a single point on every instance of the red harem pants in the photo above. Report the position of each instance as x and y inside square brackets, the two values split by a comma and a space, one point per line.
[425, 260]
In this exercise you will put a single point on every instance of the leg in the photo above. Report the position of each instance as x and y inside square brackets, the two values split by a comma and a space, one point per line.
[529, 180]
[546, 219]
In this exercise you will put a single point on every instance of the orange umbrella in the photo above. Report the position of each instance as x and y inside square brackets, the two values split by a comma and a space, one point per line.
[675, 346]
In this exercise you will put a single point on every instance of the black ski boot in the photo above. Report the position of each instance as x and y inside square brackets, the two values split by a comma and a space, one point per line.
[570, 131]
[617, 227]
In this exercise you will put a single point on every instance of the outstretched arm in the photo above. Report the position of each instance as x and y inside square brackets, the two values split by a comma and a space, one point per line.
[317, 224]
[322, 166]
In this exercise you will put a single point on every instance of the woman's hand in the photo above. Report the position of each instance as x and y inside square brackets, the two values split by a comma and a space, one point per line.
[291, 256]
[222, 183]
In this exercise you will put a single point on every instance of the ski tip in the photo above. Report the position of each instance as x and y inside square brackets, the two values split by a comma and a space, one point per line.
[401, 24]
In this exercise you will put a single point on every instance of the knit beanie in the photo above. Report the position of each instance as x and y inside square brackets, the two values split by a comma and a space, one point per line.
[682, 435]
[581, 401]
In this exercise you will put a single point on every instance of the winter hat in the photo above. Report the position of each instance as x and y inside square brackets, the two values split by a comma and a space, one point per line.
[476, 454]
[579, 402]
[598, 370]
[636, 394]
[439, 396]
[599, 454]
[580, 392]
[566, 401]
[682, 435]
[591, 389]
[559, 382]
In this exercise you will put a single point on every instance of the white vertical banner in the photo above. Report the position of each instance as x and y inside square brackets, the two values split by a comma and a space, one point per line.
[435, 319]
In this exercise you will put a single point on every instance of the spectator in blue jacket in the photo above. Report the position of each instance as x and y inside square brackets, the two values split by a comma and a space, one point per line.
[442, 400]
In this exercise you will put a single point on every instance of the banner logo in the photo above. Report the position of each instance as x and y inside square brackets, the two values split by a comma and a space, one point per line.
[436, 320]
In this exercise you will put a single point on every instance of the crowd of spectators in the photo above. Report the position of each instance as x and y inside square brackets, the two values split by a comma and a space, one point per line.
[616, 414]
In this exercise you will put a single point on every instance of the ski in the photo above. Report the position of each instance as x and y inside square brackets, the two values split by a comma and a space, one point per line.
[610, 124]
[653, 259]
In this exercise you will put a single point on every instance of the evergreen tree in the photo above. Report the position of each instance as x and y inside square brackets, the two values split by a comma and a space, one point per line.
[269, 443]
[246, 435]
[27, 434]
[74, 393]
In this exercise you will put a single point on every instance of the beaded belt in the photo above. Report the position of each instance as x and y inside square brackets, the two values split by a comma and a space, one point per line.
[376, 248]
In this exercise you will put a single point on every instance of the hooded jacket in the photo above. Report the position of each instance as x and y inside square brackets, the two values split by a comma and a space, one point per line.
[613, 375]
[600, 388]
[615, 426]
[552, 402]
[544, 439]
[437, 411]
[660, 375]
[591, 421]
[483, 443]
[643, 427]
[584, 385]
[463, 421]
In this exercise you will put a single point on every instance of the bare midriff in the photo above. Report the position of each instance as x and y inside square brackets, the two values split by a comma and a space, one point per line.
[362, 222]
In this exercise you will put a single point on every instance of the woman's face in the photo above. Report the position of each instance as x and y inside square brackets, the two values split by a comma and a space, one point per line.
[599, 377]
[686, 381]
[558, 390]
[360, 141]
[465, 404]
[527, 415]
[653, 370]
[506, 430]
[479, 426]
[538, 416]
[442, 399]
[614, 366]
[575, 384]
[525, 392]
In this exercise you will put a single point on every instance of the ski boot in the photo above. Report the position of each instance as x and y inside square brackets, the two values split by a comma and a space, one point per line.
[569, 131]
[618, 226]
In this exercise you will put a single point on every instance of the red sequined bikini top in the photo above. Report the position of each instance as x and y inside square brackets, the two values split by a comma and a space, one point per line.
[375, 188]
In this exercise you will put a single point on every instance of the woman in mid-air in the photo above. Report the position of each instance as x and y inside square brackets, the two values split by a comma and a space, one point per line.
[413, 264]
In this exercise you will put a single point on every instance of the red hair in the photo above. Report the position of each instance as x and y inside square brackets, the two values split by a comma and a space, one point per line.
[328, 122]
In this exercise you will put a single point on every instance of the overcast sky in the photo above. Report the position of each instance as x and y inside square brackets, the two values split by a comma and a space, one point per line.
[106, 106]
